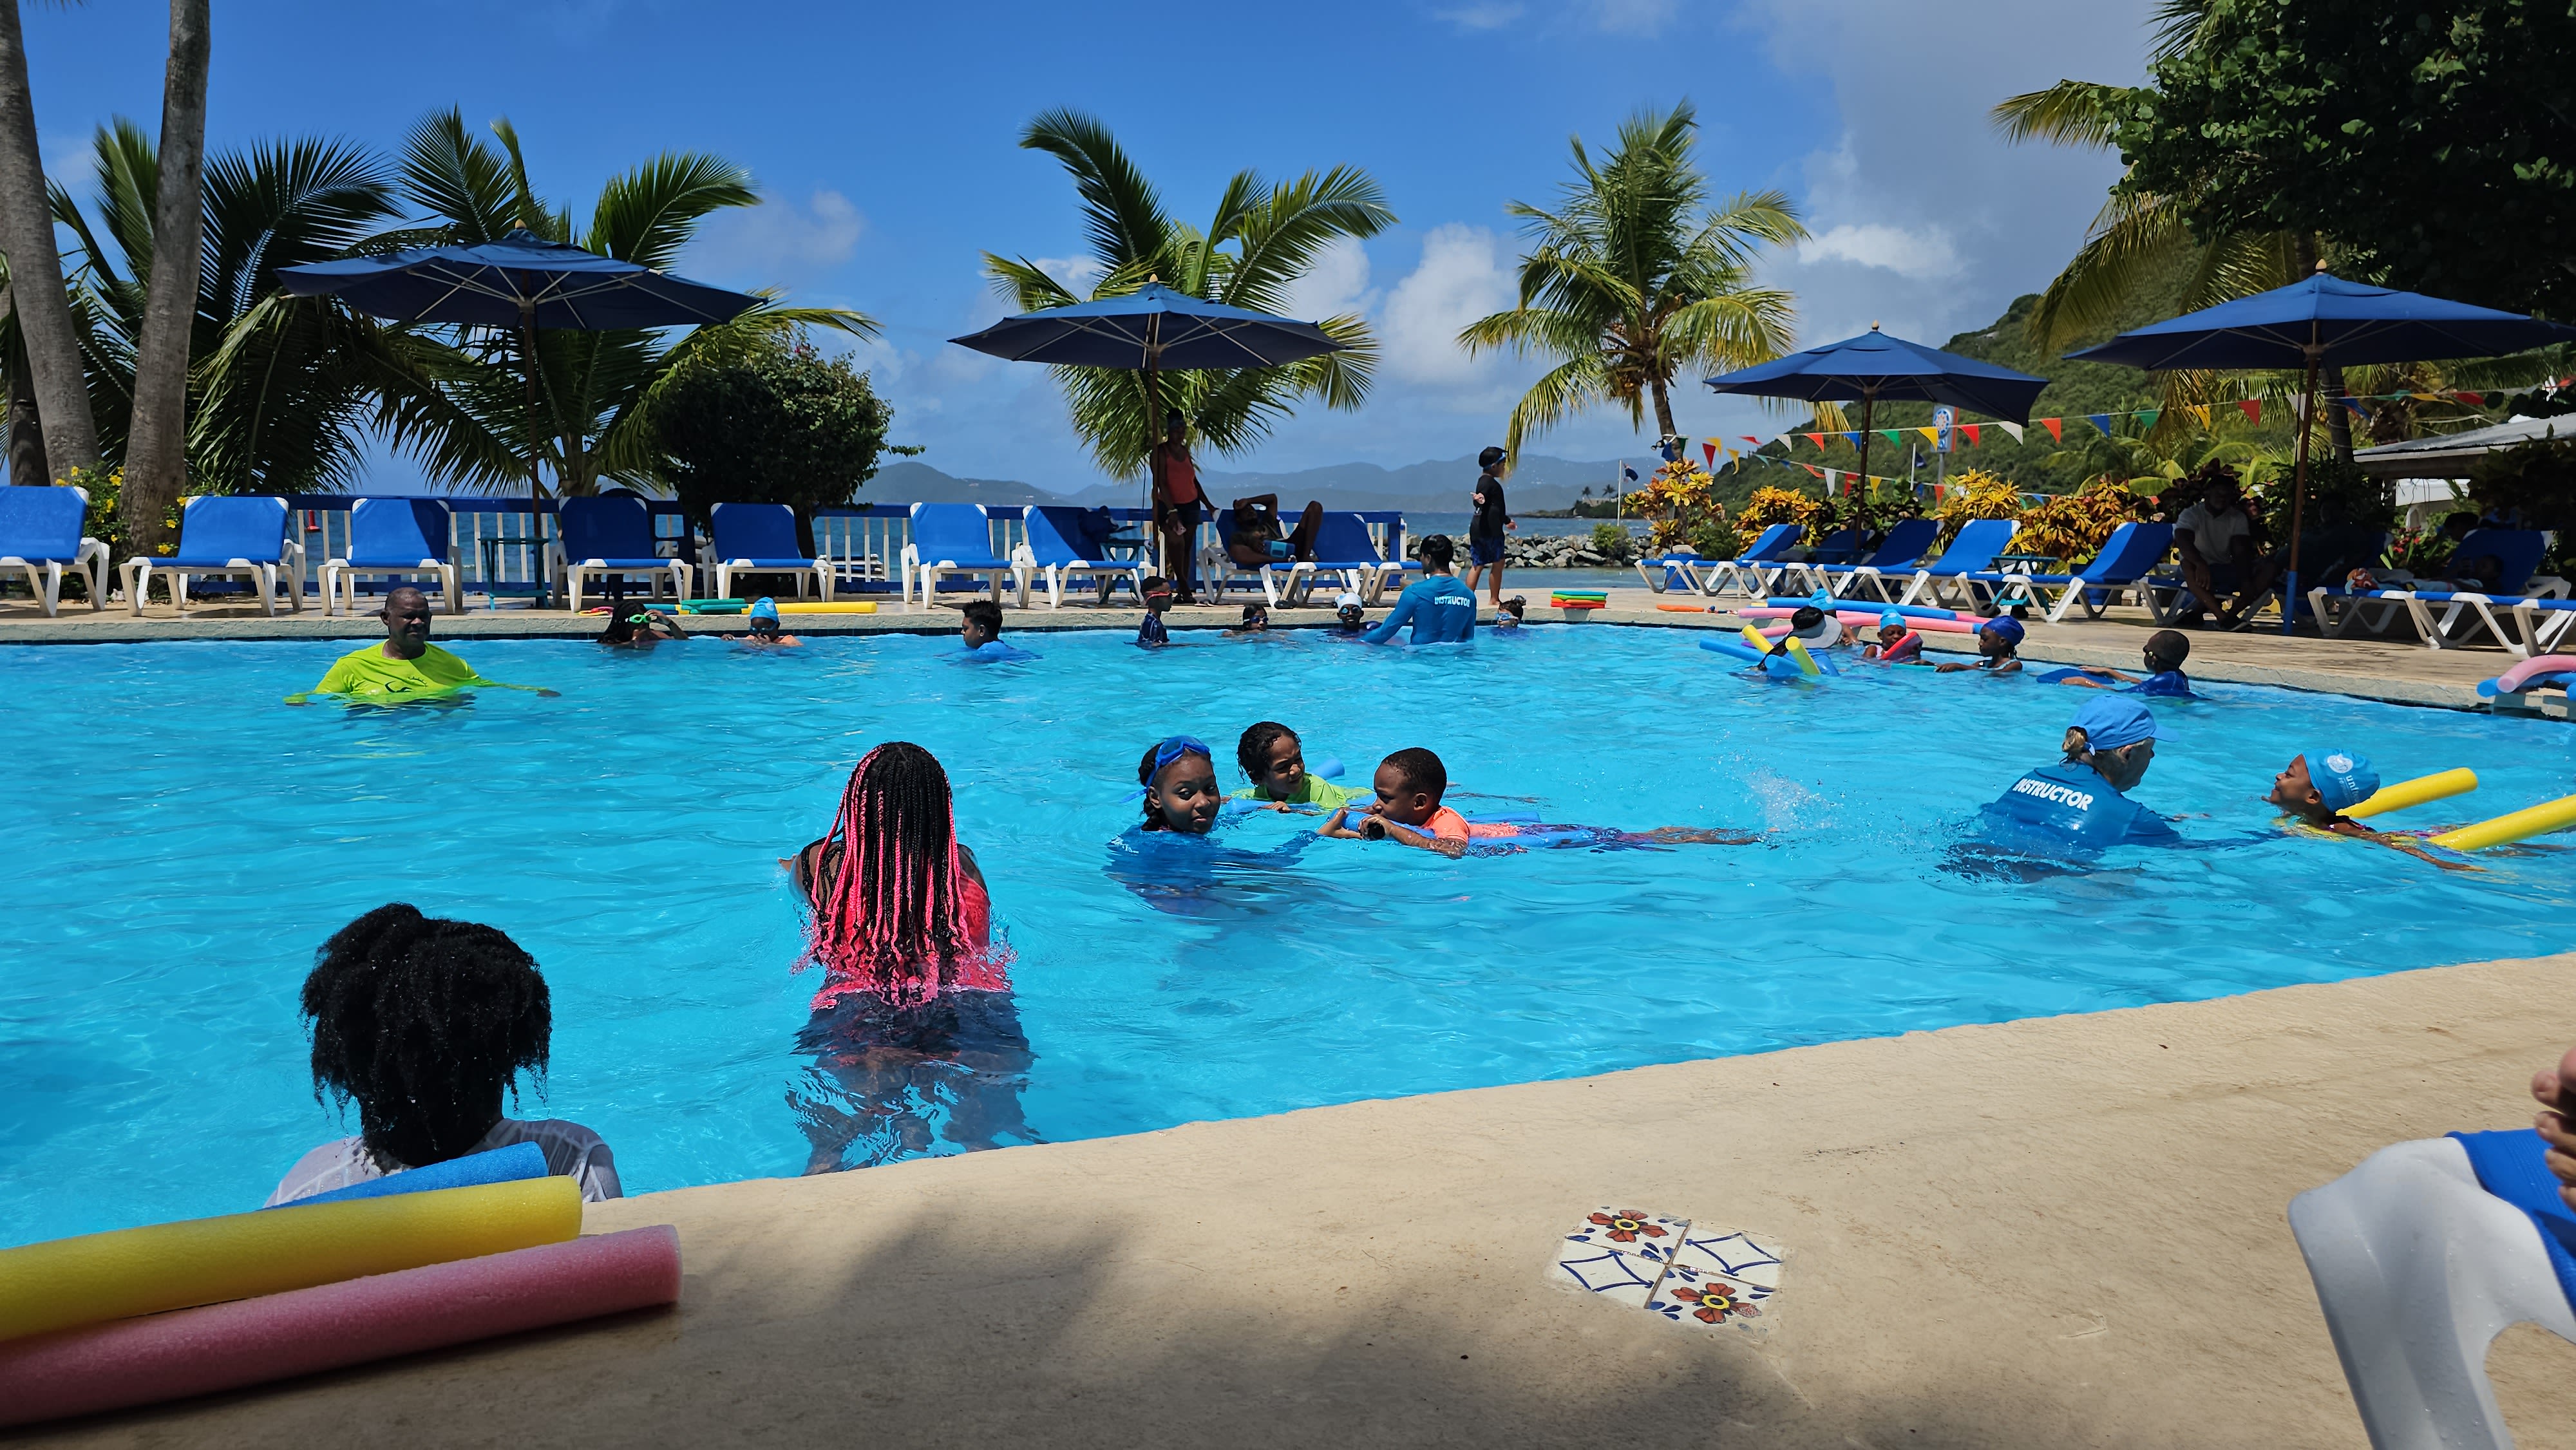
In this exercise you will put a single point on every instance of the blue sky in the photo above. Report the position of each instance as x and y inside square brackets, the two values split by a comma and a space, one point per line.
[884, 141]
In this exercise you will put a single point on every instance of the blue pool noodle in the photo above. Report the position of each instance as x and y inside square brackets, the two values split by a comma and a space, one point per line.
[1871, 606]
[500, 1165]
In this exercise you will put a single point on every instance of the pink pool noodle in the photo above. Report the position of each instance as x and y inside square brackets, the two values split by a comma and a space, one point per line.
[2511, 680]
[142, 1361]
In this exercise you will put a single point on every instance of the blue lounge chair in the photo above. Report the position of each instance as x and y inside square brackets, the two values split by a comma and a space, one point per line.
[1756, 567]
[1343, 547]
[1802, 576]
[612, 534]
[761, 536]
[952, 538]
[1972, 552]
[2545, 623]
[1901, 553]
[40, 532]
[396, 538]
[1064, 544]
[2127, 556]
[2437, 613]
[240, 536]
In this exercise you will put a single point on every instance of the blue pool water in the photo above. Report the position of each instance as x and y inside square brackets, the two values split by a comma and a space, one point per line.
[182, 842]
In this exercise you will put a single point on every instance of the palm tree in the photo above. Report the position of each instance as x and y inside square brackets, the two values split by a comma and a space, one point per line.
[470, 425]
[39, 305]
[1633, 278]
[280, 388]
[1276, 232]
[156, 450]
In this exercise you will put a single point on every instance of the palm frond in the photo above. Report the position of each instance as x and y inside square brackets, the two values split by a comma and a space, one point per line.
[2134, 238]
[2069, 113]
[1122, 212]
[648, 215]
[1285, 231]
[450, 174]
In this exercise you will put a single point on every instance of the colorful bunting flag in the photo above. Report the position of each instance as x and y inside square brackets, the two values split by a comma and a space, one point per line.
[1931, 436]
[2147, 418]
[2013, 428]
[1816, 438]
[2253, 408]
[2199, 414]
[1813, 469]
[1749, 438]
[2101, 421]
[2359, 409]
[1971, 430]
[1709, 449]
[1894, 436]
[2056, 428]
[1852, 438]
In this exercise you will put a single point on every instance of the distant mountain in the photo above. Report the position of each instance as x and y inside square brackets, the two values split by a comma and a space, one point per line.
[1439, 487]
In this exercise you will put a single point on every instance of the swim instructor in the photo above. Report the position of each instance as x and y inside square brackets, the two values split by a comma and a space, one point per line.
[406, 666]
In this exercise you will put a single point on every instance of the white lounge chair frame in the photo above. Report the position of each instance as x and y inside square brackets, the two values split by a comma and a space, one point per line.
[339, 576]
[263, 574]
[929, 572]
[820, 570]
[570, 575]
[2418, 1270]
[1104, 574]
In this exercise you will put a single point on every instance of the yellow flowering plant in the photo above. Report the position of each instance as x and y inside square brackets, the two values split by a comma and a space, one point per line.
[1681, 499]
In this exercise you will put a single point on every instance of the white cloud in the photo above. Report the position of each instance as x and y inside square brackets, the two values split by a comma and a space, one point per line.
[779, 242]
[1923, 253]
[1075, 274]
[1336, 284]
[1486, 16]
[1461, 277]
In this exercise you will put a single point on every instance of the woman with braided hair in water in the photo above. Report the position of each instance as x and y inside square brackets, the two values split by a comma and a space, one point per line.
[425, 1023]
[914, 1033]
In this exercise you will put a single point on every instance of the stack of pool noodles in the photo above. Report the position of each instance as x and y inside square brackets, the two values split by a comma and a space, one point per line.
[739, 606]
[437, 1256]
[1917, 617]
[2536, 673]
[1574, 603]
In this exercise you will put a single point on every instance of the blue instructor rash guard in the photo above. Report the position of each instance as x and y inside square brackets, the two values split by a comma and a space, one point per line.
[1441, 608]
[2068, 804]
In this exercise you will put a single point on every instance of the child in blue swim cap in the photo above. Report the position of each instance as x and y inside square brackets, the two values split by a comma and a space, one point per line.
[1896, 643]
[1998, 640]
[2165, 651]
[2318, 786]
[763, 622]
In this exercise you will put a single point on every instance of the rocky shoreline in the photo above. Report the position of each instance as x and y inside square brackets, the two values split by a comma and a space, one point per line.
[1542, 551]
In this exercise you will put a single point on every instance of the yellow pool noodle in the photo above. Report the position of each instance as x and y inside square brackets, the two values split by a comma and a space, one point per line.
[2505, 830]
[117, 1275]
[861, 606]
[2438, 786]
[1798, 651]
[1757, 640]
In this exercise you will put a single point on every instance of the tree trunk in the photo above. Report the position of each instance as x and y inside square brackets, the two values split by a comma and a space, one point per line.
[156, 451]
[2338, 417]
[26, 425]
[1664, 411]
[36, 268]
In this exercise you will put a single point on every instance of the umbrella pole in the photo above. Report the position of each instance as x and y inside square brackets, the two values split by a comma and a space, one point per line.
[536, 489]
[1868, 403]
[2299, 496]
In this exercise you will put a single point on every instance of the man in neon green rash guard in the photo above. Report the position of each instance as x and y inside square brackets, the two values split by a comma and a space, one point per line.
[405, 667]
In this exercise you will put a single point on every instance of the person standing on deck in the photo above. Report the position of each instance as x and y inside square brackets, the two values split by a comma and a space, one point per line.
[1179, 503]
[1485, 530]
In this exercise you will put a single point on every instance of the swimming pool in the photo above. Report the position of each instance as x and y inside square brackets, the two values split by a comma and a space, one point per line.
[183, 842]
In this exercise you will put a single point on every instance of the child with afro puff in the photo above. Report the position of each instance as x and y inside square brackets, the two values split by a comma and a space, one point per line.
[425, 1023]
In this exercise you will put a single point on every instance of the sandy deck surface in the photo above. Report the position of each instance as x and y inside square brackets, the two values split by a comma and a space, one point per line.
[2059, 1232]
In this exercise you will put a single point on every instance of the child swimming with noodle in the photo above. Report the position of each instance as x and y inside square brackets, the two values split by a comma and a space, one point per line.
[2316, 787]
[914, 1034]
[1409, 786]
[1897, 643]
[1274, 760]
[1998, 642]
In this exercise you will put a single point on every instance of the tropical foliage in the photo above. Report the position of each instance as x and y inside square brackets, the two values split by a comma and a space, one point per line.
[1681, 501]
[1632, 277]
[1768, 506]
[778, 424]
[1261, 240]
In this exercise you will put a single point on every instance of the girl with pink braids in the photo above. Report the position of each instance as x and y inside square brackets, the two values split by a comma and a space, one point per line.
[915, 1036]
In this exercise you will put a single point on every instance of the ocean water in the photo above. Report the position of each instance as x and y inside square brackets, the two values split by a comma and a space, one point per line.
[185, 841]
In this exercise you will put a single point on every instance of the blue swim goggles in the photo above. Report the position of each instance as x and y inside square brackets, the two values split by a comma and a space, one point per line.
[1172, 748]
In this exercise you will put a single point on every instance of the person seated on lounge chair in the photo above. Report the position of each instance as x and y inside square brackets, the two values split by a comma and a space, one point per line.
[1258, 539]
[638, 628]
[424, 1023]
[1256, 620]
[1439, 607]
[2166, 650]
[2215, 539]
[405, 665]
[980, 624]
[2082, 801]
[915, 1024]
[1998, 641]
[2317, 787]
[763, 628]
[1274, 760]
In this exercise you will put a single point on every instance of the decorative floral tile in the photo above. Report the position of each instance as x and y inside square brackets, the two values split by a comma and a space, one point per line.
[1730, 1254]
[1608, 1274]
[1631, 1231]
[1693, 1299]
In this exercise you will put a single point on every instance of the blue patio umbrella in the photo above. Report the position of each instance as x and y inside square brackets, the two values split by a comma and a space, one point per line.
[2322, 321]
[1152, 330]
[524, 282]
[1875, 367]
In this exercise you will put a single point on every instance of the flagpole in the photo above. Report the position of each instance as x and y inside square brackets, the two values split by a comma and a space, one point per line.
[2299, 483]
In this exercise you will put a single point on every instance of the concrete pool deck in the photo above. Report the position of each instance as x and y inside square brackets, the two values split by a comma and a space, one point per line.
[2062, 1231]
[2394, 669]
